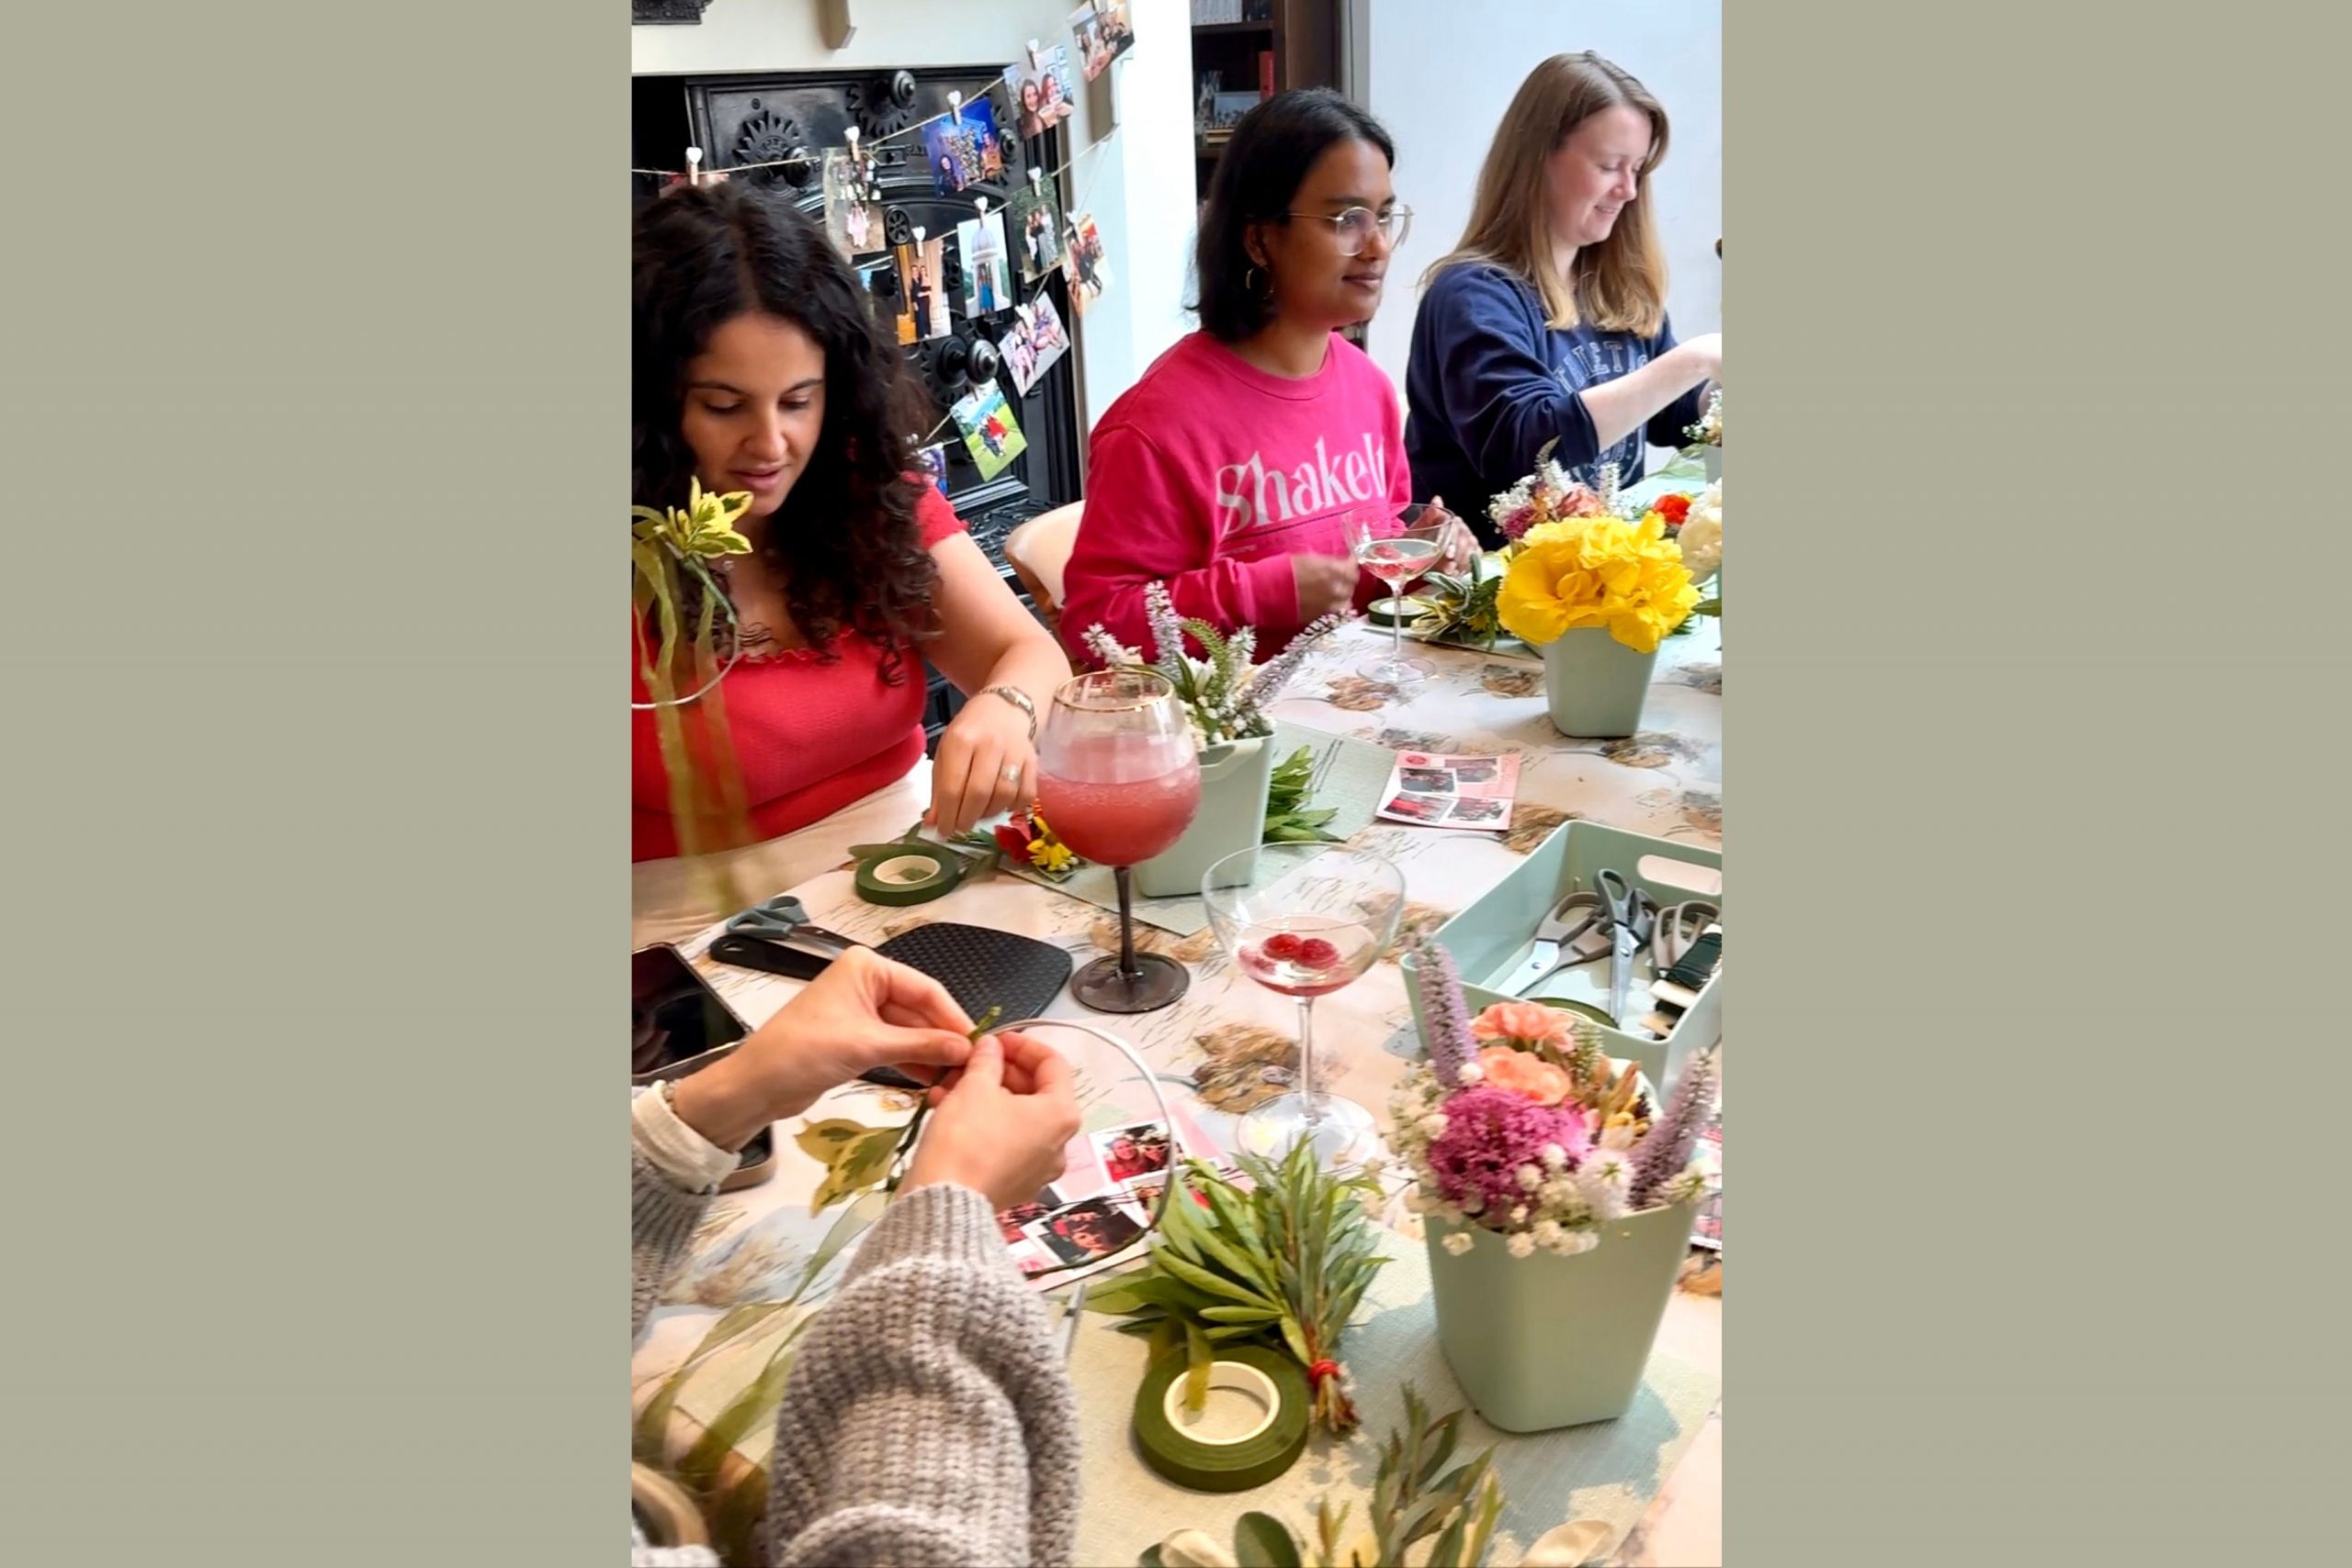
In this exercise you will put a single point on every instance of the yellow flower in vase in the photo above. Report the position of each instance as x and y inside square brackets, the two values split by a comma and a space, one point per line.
[1597, 572]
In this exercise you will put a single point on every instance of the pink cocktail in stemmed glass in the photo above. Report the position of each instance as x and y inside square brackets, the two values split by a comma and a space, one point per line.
[1399, 551]
[1119, 780]
[1305, 921]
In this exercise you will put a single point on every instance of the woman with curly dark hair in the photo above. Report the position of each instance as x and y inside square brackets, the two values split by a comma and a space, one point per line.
[759, 369]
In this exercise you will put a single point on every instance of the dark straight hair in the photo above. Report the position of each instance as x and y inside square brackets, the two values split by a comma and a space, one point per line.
[1263, 165]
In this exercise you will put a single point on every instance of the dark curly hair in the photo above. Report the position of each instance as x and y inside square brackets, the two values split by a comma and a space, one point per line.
[844, 541]
[1273, 146]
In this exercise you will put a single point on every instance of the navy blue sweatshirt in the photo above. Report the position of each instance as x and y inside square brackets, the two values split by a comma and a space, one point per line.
[1488, 383]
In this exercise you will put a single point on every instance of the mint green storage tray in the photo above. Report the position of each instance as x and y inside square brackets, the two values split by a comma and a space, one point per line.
[1495, 935]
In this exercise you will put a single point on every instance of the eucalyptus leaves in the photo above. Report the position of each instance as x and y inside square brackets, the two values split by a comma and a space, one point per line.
[1285, 1263]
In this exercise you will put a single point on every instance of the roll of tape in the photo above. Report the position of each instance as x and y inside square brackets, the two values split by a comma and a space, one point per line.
[915, 875]
[1224, 1455]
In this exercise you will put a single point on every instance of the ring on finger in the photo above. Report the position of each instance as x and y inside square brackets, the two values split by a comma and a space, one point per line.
[1010, 774]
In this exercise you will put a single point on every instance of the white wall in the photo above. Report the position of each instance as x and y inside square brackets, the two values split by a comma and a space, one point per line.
[1439, 76]
[1139, 186]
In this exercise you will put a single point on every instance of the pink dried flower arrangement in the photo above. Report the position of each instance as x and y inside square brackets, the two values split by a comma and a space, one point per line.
[1500, 1128]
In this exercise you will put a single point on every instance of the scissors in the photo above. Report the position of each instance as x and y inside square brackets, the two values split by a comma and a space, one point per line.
[1558, 932]
[1631, 916]
[1678, 929]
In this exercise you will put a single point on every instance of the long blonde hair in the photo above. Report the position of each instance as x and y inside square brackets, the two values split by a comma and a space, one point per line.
[1620, 283]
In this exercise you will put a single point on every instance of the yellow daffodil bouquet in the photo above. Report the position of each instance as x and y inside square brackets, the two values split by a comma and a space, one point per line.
[671, 553]
[1605, 572]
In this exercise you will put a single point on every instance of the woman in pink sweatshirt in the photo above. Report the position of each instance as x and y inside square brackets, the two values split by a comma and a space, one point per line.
[1240, 466]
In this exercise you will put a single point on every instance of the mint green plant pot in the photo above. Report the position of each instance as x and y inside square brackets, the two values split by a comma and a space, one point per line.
[1714, 457]
[1595, 686]
[1546, 1342]
[1236, 777]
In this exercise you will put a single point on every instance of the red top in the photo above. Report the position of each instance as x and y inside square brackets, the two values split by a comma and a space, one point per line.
[810, 737]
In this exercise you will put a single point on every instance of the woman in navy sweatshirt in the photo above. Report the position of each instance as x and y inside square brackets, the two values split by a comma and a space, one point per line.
[1548, 322]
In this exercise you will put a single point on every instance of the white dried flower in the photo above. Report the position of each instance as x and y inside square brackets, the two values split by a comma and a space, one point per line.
[1577, 1241]
[1521, 1244]
[1434, 1124]
[1519, 1213]
[1457, 1243]
[1547, 1233]
[1471, 1075]
[1555, 1158]
[1530, 1178]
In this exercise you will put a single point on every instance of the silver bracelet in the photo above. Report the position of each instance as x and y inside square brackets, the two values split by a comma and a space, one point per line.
[1019, 699]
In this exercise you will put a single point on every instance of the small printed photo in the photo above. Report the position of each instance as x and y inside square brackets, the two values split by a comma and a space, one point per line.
[1037, 226]
[1145, 1190]
[1035, 342]
[881, 281]
[1083, 264]
[990, 433]
[1130, 1152]
[852, 218]
[927, 290]
[1426, 781]
[1013, 1222]
[1032, 1259]
[964, 150]
[988, 270]
[932, 462]
[1486, 813]
[1416, 807]
[1089, 1231]
[1104, 33]
[1476, 771]
[1041, 91]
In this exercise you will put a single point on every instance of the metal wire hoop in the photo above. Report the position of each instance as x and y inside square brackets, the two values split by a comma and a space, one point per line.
[1159, 1097]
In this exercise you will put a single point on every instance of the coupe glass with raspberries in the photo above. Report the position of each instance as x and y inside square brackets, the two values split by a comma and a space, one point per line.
[1306, 920]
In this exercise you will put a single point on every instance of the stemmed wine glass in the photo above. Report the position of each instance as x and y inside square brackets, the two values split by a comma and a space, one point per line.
[1397, 558]
[1119, 780]
[1305, 921]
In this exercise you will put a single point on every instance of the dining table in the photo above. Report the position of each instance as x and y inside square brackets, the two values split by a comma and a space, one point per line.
[1652, 1479]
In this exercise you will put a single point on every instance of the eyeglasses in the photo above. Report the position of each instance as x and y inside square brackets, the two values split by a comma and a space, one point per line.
[1354, 229]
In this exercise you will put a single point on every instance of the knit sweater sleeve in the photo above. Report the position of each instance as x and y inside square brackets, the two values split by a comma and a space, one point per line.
[661, 1219]
[928, 1420]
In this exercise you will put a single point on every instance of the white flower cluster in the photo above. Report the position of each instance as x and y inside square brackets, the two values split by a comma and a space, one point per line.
[1701, 537]
[1709, 431]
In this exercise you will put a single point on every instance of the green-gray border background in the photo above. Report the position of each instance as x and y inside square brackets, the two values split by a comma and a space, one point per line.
[314, 404]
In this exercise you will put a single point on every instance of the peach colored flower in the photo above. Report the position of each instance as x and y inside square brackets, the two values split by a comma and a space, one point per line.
[1524, 1073]
[1532, 1022]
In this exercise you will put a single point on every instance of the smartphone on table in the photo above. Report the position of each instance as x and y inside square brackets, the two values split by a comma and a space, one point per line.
[680, 1024]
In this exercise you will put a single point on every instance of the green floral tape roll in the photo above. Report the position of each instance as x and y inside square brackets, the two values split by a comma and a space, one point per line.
[1245, 1438]
[914, 874]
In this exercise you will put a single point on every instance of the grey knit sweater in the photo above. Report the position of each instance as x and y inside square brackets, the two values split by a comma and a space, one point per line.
[929, 1418]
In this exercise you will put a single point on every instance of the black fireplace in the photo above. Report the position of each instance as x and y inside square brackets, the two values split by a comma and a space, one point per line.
[760, 119]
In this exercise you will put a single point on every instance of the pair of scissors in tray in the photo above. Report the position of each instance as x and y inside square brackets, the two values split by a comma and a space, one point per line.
[1565, 939]
[1632, 916]
[1678, 929]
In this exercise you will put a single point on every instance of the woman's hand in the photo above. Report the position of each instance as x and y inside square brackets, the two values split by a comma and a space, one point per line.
[864, 1011]
[1001, 1124]
[1326, 584]
[985, 764]
[1458, 545]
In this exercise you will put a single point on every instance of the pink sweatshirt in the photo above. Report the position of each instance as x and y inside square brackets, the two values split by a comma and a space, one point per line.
[1209, 474]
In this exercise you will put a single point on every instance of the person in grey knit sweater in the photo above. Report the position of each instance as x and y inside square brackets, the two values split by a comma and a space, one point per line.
[928, 1420]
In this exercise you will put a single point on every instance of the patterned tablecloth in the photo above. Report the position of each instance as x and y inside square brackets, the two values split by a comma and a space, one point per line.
[1229, 1043]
